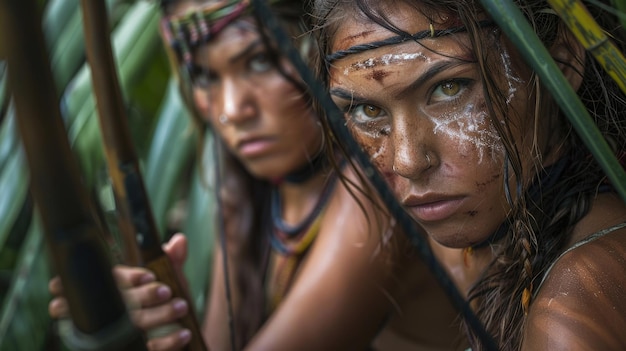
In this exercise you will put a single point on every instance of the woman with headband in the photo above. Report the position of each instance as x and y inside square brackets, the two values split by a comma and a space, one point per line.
[479, 154]
[311, 259]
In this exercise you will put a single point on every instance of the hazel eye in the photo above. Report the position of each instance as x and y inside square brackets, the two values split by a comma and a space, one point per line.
[363, 113]
[371, 111]
[450, 88]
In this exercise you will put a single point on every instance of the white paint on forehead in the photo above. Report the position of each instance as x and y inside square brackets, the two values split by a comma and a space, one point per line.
[470, 127]
[385, 60]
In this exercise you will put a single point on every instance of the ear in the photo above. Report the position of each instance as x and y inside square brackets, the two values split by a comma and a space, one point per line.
[569, 55]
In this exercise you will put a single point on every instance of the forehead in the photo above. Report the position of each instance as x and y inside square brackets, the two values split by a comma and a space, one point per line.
[229, 42]
[354, 29]
[183, 7]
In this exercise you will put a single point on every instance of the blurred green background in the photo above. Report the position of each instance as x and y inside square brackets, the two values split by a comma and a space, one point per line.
[179, 190]
[178, 181]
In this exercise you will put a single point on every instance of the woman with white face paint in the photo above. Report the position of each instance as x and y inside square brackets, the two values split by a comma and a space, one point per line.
[478, 153]
[311, 258]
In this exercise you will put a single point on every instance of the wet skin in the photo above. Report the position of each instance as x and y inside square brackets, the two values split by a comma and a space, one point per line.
[403, 102]
[419, 112]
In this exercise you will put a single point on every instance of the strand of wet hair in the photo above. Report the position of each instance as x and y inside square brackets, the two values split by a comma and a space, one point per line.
[217, 151]
[398, 39]
[335, 116]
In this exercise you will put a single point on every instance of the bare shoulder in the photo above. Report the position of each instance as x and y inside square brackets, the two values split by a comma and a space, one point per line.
[356, 209]
[582, 303]
[343, 291]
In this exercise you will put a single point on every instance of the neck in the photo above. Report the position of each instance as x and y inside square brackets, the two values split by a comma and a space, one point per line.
[305, 173]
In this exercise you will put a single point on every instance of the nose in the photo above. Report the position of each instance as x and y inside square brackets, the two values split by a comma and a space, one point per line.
[237, 100]
[412, 156]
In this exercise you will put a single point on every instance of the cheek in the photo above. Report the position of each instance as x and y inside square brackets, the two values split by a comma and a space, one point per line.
[375, 148]
[202, 105]
[380, 156]
[471, 132]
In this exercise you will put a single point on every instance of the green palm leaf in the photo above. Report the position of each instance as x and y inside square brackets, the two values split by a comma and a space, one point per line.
[200, 227]
[22, 323]
[170, 151]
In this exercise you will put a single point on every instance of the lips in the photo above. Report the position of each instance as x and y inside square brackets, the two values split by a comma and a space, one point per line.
[254, 146]
[432, 207]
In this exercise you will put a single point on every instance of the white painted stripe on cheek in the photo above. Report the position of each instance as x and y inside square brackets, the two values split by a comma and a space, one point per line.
[511, 79]
[470, 128]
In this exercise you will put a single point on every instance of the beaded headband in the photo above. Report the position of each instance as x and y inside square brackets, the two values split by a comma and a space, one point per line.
[186, 32]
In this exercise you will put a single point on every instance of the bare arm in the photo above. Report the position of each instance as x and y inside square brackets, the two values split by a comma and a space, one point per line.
[343, 292]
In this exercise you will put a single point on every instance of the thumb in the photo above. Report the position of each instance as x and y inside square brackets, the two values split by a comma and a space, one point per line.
[176, 250]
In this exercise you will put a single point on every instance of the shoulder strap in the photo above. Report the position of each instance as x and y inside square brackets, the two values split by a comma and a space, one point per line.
[580, 243]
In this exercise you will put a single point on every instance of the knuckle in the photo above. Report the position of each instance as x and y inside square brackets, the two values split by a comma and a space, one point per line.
[166, 343]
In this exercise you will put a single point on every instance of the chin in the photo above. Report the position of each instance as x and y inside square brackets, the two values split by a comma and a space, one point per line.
[452, 243]
[457, 239]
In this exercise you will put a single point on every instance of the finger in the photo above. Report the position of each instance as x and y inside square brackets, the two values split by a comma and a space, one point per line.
[55, 286]
[128, 277]
[58, 308]
[148, 318]
[147, 295]
[173, 341]
[176, 249]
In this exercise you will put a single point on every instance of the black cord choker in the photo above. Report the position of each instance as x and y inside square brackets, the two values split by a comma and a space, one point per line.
[306, 172]
[283, 231]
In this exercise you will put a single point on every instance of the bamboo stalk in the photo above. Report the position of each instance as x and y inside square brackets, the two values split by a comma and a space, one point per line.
[516, 27]
[136, 221]
[592, 37]
[98, 312]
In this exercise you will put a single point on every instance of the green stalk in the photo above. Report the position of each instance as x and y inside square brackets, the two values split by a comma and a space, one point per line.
[588, 33]
[516, 27]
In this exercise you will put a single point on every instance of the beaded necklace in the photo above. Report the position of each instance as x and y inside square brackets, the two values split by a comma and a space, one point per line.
[290, 243]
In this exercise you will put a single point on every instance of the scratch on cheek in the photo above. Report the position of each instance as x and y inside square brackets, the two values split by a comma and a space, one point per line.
[385, 60]
[470, 128]
[483, 185]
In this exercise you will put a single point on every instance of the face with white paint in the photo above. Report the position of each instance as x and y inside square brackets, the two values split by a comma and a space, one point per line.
[419, 111]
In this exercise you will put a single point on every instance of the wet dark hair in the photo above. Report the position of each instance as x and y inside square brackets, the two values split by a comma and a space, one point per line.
[540, 225]
[245, 200]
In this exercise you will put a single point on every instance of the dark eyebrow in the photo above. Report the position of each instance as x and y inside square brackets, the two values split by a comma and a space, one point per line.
[245, 52]
[346, 95]
[431, 72]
